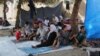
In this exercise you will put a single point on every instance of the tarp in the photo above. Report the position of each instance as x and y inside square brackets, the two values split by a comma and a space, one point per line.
[92, 21]
[41, 13]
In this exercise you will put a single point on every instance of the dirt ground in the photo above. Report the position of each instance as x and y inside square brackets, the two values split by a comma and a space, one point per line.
[74, 52]
[5, 32]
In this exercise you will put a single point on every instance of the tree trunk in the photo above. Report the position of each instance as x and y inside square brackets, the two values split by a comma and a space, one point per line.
[18, 14]
[4, 10]
[74, 16]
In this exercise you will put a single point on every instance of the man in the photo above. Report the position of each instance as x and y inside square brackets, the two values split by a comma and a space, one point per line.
[42, 31]
[34, 30]
[50, 38]
[63, 37]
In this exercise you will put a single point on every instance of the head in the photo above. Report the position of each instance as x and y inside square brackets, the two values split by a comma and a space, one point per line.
[18, 28]
[47, 18]
[64, 28]
[27, 23]
[40, 24]
[82, 29]
[35, 25]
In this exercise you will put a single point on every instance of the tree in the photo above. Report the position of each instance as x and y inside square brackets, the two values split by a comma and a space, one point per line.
[74, 16]
[18, 13]
[4, 10]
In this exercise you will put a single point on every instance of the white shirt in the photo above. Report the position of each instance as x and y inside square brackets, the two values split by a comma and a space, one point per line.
[61, 18]
[46, 22]
[52, 29]
[27, 29]
[42, 32]
[56, 19]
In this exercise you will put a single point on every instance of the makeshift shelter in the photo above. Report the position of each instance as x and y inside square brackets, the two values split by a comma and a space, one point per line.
[42, 12]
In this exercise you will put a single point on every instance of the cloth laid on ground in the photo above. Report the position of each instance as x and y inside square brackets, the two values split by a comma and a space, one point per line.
[92, 21]
[27, 48]
[31, 50]
[14, 41]
[9, 48]
[43, 50]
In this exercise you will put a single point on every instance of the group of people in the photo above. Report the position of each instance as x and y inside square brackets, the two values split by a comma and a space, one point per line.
[53, 32]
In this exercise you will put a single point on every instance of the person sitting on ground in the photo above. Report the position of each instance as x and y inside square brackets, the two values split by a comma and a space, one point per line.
[34, 29]
[42, 32]
[81, 37]
[63, 37]
[59, 25]
[27, 29]
[73, 41]
[18, 33]
[50, 38]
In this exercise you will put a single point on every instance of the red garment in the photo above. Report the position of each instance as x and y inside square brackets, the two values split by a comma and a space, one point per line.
[18, 35]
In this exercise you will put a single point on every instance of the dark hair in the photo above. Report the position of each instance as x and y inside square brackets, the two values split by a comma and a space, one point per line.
[82, 27]
[27, 23]
[64, 26]
[59, 24]
[18, 27]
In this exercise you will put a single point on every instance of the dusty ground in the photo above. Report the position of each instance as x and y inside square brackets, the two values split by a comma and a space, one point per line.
[75, 52]
[5, 32]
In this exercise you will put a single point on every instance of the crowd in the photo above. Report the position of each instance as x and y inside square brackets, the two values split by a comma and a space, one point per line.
[53, 32]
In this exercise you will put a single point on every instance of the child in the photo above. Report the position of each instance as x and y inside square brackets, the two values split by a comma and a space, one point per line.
[18, 34]
[81, 37]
